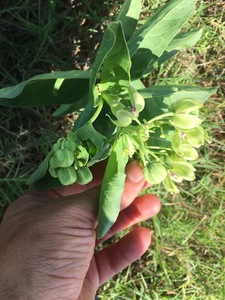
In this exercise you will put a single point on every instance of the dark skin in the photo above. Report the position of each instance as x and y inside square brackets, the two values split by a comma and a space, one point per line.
[48, 239]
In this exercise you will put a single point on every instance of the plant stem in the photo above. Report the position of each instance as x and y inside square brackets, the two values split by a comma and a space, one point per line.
[170, 114]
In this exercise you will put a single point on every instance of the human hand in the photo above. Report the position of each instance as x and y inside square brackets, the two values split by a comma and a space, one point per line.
[47, 240]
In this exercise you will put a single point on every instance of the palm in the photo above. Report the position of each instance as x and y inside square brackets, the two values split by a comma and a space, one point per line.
[58, 233]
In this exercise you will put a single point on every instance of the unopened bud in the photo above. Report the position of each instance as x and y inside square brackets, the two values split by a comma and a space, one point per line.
[183, 170]
[63, 158]
[155, 173]
[182, 121]
[136, 99]
[185, 105]
[67, 176]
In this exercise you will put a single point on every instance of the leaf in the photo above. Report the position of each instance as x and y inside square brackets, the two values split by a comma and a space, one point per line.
[41, 170]
[153, 38]
[181, 41]
[129, 15]
[158, 98]
[88, 132]
[65, 109]
[112, 64]
[115, 68]
[112, 189]
[46, 89]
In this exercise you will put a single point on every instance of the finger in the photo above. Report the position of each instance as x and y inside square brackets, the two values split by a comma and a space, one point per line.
[143, 208]
[118, 256]
[134, 183]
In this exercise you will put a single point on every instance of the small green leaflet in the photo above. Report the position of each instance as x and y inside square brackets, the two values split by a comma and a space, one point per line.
[112, 189]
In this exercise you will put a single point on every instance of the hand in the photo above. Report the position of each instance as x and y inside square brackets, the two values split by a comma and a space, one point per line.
[47, 240]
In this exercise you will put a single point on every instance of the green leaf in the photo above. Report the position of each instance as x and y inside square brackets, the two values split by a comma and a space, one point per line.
[112, 64]
[46, 89]
[129, 15]
[158, 98]
[112, 189]
[115, 68]
[41, 170]
[88, 132]
[181, 41]
[153, 38]
[71, 108]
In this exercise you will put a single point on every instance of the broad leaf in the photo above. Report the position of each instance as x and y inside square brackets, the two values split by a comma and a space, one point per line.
[182, 41]
[47, 89]
[129, 15]
[153, 38]
[112, 189]
[71, 108]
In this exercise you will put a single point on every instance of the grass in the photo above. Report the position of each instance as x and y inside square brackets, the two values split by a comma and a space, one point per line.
[186, 259]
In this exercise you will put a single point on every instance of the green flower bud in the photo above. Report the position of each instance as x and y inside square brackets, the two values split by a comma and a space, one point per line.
[170, 186]
[57, 145]
[182, 149]
[196, 136]
[53, 172]
[67, 176]
[189, 153]
[182, 170]
[70, 145]
[182, 121]
[63, 158]
[155, 173]
[84, 175]
[124, 117]
[136, 98]
[185, 105]
[176, 143]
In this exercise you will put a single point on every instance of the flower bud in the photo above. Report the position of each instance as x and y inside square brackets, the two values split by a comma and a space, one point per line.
[155, 173]
[182, 121]
[182, 170]
[63, 158]
[189, 153]
[124, 117]
[53, 172]
[176, 143]
[67, 176]
[197, 136]
[170, 186]
[84, 175]
[185, 105]
[136, 99]
[70, 145]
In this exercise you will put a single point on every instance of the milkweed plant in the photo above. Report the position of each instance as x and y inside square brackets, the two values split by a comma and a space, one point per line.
[118, 117]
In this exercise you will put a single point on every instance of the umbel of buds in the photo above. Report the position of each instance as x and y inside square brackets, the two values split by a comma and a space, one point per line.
[174, 166]
[68, 162]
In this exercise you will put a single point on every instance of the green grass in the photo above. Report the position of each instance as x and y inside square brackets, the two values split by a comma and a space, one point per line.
[186, 259]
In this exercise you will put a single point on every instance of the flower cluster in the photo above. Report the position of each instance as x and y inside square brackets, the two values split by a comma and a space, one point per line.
[68, 161]
[172, 165]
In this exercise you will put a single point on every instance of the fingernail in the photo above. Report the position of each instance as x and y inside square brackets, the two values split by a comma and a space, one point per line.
[134, 171]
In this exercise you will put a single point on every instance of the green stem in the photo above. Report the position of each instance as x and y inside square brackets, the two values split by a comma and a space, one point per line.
[170, 114]
[97, 112]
